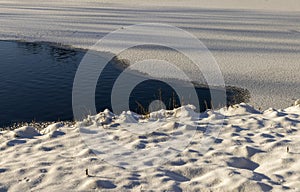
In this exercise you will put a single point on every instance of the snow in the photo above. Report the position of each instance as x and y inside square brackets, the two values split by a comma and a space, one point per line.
[255, 43]
[240, 148]
[255, 150]
[297, 102]
[53, 130]
[26, 132]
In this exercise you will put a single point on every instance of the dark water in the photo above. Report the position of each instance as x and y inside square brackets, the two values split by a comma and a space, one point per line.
[36, 82]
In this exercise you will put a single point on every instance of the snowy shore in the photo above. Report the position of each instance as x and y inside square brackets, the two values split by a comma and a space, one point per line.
[256, 44]
[255, 151]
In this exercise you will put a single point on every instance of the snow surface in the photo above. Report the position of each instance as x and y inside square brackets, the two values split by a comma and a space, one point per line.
[255, 151]
[256, 43]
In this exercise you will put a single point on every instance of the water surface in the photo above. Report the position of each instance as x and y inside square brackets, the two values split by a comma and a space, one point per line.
[36, 82]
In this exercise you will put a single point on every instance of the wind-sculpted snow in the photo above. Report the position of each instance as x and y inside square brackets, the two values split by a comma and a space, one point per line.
[255, 150]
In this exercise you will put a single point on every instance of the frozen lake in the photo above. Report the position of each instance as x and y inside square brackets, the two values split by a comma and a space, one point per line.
[256, 44]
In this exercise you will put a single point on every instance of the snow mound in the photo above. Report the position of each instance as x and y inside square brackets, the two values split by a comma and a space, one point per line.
[128, 117]
[185, 111]
[26, 132]
[104, 117]
[274, 113]
[161, 114]
[242, 108]
[51, 128]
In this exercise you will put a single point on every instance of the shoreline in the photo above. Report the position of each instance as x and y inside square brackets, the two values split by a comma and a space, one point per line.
[250, 144]
[235, 95]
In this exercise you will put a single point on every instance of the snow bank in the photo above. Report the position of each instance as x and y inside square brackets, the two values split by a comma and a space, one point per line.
[254, 150]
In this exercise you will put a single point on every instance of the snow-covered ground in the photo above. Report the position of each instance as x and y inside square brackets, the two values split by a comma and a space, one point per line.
[255, 151]
[256, 43]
